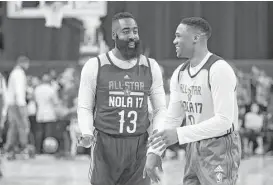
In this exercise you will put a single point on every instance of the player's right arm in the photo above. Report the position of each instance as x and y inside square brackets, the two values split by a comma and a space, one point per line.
[175, 115]
[175, 111]
[86, 96]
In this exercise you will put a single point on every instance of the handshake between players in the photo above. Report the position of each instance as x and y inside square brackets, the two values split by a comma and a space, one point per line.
[158, 140]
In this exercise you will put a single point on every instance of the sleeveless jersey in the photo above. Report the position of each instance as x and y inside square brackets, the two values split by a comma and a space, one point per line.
[196, 94]
[122, 97]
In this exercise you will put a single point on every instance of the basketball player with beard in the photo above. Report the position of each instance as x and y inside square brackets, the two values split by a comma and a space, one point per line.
[113, 107]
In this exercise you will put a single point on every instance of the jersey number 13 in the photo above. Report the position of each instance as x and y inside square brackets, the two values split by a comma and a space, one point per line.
[132, 115]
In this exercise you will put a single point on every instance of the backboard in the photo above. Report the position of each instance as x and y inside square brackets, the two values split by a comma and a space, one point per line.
[89, 12]
[33, 9]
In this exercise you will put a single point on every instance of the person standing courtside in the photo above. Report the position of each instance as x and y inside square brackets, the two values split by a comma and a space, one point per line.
[203, 90]
[113, 107]
[17, 111]
[46, 100]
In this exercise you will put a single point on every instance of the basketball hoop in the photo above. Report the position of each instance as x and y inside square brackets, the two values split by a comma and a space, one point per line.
[53, 14]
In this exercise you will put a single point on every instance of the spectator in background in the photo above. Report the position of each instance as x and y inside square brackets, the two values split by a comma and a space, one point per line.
[243, 90]
[270, 102]
[53, 74]
[269, 125]
[262, 91]
[74, 129]
[253, 124]
[3, 132]
[35, 81]
[54, 79]
[269, 135]
[17, 112]
[255, 72]
[67, 94]
[32, 109]
[3, 103]
[46, 99]
[6, 75]
[3, 109]
[242, 113]
[241, 124]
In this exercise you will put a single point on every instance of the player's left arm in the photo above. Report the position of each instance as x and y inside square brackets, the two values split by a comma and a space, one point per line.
[157, 97]
[158, 101]
[223, 85]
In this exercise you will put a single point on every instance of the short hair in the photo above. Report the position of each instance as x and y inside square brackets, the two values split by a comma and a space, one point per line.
[22, 59]
[198, 23]
[122, 15]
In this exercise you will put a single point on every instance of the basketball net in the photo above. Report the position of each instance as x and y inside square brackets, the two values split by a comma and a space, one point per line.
[54, 15]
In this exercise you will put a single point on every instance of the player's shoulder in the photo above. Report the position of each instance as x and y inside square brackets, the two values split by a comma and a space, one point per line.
[147, 61]
[98, 59]
[176, 71]
[222, 69]
[91, 63]
[221, 65]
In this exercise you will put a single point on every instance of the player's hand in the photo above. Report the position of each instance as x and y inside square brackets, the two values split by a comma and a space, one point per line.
[153, 162]
[161, 140]
[85, 141]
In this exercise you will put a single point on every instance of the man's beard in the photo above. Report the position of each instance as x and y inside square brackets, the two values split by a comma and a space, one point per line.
[125, 50]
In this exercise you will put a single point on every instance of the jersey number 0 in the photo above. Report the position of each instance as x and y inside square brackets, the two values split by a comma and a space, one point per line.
[132, 115]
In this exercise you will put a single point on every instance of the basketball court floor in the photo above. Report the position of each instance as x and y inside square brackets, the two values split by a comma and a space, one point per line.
[46, 170]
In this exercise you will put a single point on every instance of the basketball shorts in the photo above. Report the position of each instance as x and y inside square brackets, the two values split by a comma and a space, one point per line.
[213, 161]
[118, 160]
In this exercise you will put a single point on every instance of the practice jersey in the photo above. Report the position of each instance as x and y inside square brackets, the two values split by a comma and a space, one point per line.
[196, 94]
[122, 97]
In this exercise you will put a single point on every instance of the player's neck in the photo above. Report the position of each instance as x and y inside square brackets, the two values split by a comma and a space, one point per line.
[118, 54]
[198, 56]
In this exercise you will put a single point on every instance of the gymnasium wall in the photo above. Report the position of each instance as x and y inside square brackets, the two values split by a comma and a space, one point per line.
[37, 68]
[241, 30]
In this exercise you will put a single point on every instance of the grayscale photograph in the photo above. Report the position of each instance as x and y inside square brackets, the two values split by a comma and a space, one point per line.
[136, 92]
